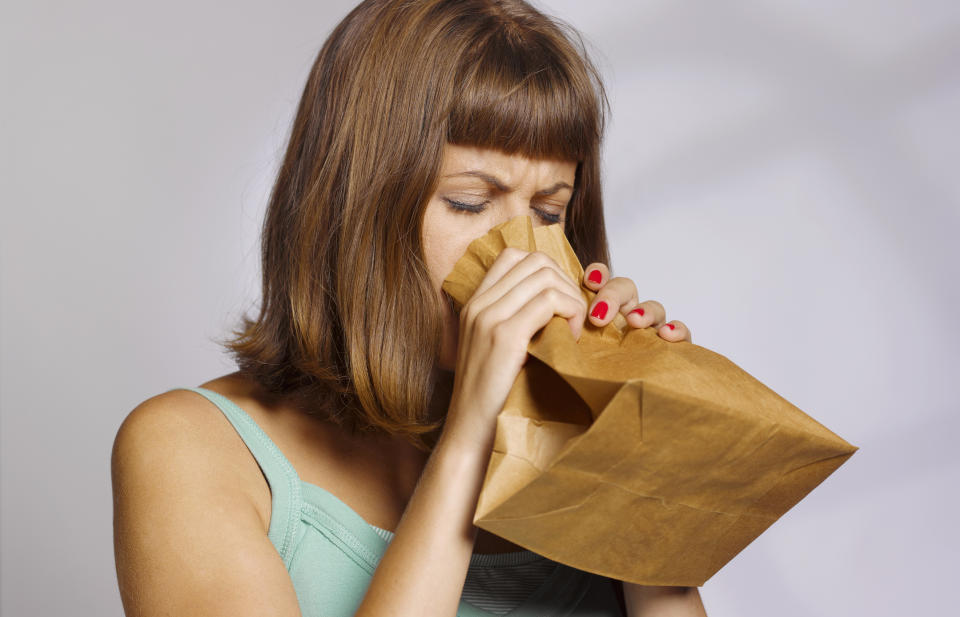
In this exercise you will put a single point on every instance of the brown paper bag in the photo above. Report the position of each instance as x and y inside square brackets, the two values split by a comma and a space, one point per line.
[632, 457]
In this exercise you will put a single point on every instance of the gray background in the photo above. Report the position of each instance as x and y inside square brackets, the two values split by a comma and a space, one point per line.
[782, 176]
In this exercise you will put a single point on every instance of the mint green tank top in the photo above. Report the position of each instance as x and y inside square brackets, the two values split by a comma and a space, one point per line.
[330, 551]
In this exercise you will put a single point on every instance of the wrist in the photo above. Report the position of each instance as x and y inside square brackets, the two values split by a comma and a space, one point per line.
[465, 440]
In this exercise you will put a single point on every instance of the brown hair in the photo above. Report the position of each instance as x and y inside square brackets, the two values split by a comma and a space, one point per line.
[341, 329]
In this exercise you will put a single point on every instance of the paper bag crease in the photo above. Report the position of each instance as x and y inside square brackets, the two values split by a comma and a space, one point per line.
[632, 457]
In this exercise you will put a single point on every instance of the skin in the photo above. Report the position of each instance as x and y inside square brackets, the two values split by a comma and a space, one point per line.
[177, 466]
[486, 344]
[447, 232]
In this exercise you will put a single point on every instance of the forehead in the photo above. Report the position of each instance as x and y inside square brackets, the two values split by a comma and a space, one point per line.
[510, 168]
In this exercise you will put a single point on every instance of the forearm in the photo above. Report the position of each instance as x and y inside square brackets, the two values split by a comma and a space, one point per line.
[647, 601]
[423, 569]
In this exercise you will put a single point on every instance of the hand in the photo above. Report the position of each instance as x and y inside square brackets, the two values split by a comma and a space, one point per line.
[620, 294]
[517, 297]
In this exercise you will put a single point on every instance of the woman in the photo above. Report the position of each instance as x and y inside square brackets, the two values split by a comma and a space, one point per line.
[367, 404]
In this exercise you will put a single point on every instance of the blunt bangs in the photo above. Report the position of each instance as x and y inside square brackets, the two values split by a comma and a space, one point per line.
[518, 94]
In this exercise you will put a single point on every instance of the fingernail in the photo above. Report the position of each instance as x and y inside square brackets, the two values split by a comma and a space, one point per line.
[638, 311]
[600, 310]
[671, 326]
[595, 276]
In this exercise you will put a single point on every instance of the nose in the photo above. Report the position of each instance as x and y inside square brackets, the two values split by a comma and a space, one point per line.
[512, 205]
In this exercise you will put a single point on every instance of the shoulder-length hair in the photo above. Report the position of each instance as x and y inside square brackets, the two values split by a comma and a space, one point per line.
[341, 329]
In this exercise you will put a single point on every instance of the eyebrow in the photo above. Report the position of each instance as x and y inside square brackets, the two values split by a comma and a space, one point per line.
[503, 187]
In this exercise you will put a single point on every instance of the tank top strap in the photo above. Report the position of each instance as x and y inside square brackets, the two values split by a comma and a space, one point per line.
[285, 496]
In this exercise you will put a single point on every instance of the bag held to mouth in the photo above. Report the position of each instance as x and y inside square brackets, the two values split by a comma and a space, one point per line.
[632, 457]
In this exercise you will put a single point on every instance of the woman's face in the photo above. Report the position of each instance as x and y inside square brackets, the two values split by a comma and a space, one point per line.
[495, 187]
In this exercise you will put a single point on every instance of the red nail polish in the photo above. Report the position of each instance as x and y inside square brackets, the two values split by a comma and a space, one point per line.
[595, 276]
[600, 310]
[638, 311]
[671, 326]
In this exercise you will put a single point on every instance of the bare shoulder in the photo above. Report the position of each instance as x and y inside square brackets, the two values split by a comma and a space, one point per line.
[180, 436]
[161, 433]
[165, 416]
[188, 538]
[170, 430]
[163, 420]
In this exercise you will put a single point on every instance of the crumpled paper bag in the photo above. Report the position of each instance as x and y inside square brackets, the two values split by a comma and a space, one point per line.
[632, 457]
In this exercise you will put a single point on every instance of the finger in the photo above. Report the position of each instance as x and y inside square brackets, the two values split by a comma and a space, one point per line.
[541, 308]
[521, 270]
[595, 275]
[543, 282]
[505, 261]
[646, 314]
[675, 331]
[618, 294]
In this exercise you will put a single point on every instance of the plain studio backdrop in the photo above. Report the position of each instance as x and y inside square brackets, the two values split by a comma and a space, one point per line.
[781, 175]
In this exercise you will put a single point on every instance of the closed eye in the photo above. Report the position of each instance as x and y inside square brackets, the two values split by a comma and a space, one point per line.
[547, 217]
[459, 205]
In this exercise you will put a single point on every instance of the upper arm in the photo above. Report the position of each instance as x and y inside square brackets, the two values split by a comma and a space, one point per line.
[187, 538]
[662, 601]
[618, 592]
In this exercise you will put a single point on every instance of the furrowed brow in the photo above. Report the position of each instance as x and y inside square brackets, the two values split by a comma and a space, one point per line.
[553, 189]
[494, 181]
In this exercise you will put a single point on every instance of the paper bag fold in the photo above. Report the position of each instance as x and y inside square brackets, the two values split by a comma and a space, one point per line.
[632, 457]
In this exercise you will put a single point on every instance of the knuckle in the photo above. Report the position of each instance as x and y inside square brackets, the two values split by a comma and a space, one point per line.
[482, 320]
[468, 314]
[502, 333]
[624, 281]
[544, 272]
[547, 275]
[551, 295]
[511, 254]
[604, 294]
[541, 258]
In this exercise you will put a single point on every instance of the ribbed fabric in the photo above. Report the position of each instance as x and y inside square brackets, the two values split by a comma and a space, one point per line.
[503, 588]
[331, 552]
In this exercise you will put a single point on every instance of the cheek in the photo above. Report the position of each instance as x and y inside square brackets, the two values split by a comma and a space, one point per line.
[446, 238]
[440, 264]
[449, 261]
